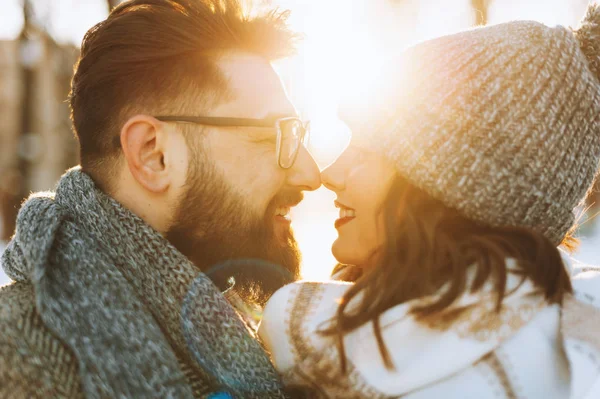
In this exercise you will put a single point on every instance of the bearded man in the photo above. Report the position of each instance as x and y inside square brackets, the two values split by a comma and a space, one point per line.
[191, 155]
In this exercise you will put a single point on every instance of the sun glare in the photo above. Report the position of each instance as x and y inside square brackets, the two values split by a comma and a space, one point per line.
[336, 59]
[344, 41]
[335, 55]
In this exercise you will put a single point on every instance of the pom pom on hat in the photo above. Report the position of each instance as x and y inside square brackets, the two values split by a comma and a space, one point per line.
[588, 35]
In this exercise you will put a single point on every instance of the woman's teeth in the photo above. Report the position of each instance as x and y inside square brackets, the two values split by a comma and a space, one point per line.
[347, 213]
[283, 212]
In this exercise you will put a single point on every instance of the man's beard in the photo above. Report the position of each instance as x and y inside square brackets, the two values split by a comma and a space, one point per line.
[213, 225]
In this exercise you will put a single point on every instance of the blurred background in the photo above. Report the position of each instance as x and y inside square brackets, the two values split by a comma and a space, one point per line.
[39, 42]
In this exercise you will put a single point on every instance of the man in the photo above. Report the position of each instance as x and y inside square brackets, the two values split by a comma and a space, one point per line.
[191, 154]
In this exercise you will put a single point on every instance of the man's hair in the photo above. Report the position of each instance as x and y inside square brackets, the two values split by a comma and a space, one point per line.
[159, 56]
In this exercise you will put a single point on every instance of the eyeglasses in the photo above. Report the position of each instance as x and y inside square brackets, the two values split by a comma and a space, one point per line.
[291, 132]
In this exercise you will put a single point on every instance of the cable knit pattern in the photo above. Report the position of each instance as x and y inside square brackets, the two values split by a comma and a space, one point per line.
[500, 122]
[112, 289]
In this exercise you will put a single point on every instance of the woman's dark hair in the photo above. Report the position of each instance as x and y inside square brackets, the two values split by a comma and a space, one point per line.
[429, 245]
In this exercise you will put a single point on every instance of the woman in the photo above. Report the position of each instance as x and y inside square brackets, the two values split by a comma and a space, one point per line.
[460, 183]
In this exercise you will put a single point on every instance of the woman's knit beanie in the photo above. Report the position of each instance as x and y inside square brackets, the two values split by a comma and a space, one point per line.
[501, 122]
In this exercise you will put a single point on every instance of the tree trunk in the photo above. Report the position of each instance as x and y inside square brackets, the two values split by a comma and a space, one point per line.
[480, 7]
[14, 169]
[11, 107]
[35, 146]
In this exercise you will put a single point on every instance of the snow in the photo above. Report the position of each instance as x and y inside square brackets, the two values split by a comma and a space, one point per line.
[589, 250]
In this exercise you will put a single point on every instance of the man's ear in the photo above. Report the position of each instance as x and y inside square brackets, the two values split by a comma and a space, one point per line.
[144, 143]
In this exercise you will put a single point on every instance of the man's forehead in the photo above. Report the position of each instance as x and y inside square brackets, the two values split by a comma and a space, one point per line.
[256, 89]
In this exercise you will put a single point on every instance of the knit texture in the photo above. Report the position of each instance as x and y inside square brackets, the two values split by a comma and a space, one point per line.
[499, 122]
[112, 289]
[33, 362]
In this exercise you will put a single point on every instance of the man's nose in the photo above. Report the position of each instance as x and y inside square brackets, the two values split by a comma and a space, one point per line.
[304, 174]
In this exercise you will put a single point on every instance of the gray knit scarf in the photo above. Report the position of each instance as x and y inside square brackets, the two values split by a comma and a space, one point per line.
[114, 290]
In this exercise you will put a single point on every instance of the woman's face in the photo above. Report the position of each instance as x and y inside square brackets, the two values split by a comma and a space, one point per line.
[362, 180]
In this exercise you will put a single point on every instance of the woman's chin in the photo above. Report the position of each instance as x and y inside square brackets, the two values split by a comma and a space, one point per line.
[345, 252]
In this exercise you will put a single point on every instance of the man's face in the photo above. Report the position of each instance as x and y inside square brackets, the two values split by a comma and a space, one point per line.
[236, 200]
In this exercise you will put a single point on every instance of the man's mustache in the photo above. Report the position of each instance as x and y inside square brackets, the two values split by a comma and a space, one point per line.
[287, 197]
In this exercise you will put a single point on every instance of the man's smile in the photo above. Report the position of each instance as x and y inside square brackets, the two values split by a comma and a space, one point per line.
[282, 214]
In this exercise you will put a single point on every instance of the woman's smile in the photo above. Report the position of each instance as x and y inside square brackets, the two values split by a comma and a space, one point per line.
[360, 200]
[346, 214]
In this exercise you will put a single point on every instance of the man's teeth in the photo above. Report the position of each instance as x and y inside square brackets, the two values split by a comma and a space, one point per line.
[283, 211]
[347, 213]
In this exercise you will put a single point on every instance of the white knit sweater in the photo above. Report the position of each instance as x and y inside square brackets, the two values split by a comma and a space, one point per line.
[531, 350]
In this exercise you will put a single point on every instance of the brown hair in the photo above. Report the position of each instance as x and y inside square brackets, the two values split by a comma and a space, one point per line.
[430, 245]
[158, 56]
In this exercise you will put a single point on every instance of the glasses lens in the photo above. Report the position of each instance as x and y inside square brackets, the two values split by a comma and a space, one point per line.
[306, 138]
[291, 137]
